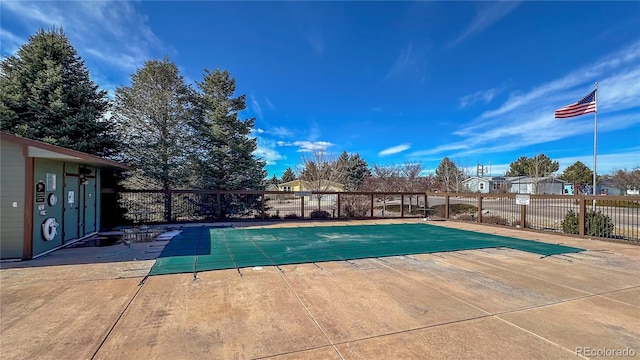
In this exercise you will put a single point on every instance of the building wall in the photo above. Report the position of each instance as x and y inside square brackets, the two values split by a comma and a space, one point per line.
[12, 193]
[42, 167]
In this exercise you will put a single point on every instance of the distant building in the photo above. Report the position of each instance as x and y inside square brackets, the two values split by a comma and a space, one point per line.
[485, 185]
[324, 185]
[536, 185]
[301, 185]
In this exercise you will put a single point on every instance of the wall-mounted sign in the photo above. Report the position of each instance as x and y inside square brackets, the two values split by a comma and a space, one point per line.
[40, 192]
[51, 182]
[71, 197]
[522, 199]
[53, 199]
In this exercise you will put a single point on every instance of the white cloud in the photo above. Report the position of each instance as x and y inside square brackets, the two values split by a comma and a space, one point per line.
[606, 163]
[257, 109]
[266, 151]
[394, 150]
[269, 104]
[114, 33]
[528, 118]
[409, 64]
[10, 42]
[483, 96]
[280, 131]
[307, 146]
[487, 14]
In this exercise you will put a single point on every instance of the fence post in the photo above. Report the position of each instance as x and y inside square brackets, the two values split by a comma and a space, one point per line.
[302, 206]
[371, 204]
[523, 216]
[402, 205]
[218, 206]
[582, 211]
[480, 208]
[167, 206]
[338, 205]
[446, 207]
[262, 205]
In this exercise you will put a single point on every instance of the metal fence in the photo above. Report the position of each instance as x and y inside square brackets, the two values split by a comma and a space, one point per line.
[613, 217]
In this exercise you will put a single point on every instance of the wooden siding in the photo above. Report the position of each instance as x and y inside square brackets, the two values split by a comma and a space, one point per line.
[12, 168]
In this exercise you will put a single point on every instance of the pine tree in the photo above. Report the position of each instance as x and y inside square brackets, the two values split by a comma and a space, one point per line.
[225, 156]
[449, 175]
[46, 94]
[537, 166]
[357, 171]
[577, 173]
[288, 175]
[153, 116]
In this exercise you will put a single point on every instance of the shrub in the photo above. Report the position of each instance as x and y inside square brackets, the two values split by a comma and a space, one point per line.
[291, 216]
[274, 216]
[596, 224]
[454, 209]
[355, 206]
[320, 214]
[494, 220]
[466, 217]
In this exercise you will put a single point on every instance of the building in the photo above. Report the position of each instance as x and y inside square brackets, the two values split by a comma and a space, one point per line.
[50, 196]
[485, 185]
[320, 186]
[548, 185]
[302, 185]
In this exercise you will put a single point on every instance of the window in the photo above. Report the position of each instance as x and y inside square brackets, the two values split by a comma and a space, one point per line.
[481, 186]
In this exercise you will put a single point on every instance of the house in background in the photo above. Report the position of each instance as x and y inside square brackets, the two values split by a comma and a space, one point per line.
[320, 186]
[547, 185]
[302, 185]
[485, 185]
[50, 196]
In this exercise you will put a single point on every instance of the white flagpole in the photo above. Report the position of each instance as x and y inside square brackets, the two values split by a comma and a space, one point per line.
[595, 144]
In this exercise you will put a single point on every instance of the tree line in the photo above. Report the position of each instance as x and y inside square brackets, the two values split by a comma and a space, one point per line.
[174, 135]
[179, 136]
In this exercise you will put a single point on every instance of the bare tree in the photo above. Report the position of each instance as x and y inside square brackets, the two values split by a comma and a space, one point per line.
[386, 178]
[410, 174]
[322, 172]
[627, 179]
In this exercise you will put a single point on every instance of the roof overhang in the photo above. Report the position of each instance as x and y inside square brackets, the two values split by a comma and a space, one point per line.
[42, 150]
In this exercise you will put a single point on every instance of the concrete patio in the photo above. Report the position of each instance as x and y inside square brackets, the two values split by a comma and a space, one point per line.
[95, 303]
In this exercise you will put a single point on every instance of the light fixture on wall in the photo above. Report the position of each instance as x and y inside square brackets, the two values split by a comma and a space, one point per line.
[83, 173]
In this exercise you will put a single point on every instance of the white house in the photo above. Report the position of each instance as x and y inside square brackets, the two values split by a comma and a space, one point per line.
[536, 185]
[485, 185]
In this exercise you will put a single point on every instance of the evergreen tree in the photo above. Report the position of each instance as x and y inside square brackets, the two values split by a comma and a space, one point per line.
[274, 181]
[577, 173]
[449, 175]
[537, 166]
[153, 116]
[357, 171]
[46, 94]
[288, 175]
[225, 150]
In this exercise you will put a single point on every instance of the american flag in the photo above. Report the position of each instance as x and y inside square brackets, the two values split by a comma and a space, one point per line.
[584, 106]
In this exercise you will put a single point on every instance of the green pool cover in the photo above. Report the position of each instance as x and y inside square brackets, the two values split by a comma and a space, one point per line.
[206, 248]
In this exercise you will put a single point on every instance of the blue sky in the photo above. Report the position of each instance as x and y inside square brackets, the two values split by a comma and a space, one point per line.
[396, 82]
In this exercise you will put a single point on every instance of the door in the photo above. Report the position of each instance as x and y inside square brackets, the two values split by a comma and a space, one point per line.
[71, 208]
[89, 206]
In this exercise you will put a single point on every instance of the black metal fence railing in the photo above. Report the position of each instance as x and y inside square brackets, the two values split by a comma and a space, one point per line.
[612, 217]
